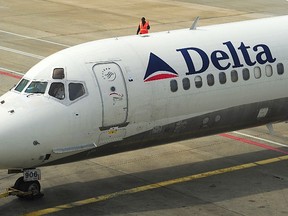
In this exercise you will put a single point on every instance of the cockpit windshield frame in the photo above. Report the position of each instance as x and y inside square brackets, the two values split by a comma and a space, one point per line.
[57, 90]
[36, 87]
[64, 91]
[67, 92]
[21, 85]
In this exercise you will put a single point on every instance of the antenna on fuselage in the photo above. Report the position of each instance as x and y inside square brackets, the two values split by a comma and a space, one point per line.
[194, 24]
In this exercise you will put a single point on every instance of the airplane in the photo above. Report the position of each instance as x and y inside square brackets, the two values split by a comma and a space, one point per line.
[132, 92]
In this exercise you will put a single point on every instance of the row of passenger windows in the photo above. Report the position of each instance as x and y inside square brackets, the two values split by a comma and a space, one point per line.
[222, 77]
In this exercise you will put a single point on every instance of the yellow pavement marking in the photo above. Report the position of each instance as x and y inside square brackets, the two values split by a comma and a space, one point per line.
[154, 186]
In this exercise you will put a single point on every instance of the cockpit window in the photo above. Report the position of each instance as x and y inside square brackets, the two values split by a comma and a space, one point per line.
[76, 90]
[57, 90]
[58, 73]
[36, 87]
[21, 85]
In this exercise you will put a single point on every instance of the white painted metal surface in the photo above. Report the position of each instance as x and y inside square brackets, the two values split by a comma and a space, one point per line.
[139, 93]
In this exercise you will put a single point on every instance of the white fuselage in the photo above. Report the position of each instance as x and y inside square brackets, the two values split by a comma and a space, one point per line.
[136, 91]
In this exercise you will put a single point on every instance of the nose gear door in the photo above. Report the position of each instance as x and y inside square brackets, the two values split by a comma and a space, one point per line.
[113, 93]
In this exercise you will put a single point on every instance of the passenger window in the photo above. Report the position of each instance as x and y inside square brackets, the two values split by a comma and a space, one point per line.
[246, 74]
[58, 73]
[36, 87]
[234, 76]
[257, 72]
[222, 78]
[198, 81]
[186, 83]
[76, 90]
[57, 90]
[22, 84]
[280, 68]
[269, 70]
[210, 79]
[173, 85]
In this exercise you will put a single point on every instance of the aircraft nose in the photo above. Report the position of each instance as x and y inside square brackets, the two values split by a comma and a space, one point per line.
[26, 126]
[13, 139]
[4, 141]
[7, 138]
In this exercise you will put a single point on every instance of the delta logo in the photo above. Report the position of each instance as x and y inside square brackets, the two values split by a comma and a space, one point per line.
[158, 69]
[227, 57]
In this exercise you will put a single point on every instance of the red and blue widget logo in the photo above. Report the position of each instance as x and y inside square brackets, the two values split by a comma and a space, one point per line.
[158, 69]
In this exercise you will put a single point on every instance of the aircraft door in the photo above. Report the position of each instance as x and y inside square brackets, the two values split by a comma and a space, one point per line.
[113, 94]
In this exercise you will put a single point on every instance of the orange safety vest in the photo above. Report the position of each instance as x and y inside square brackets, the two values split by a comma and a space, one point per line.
[144, 28]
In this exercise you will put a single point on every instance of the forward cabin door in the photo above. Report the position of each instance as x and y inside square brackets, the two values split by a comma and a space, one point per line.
[113, 93]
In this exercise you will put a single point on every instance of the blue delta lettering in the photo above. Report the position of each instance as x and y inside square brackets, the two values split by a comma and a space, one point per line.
[220, 58]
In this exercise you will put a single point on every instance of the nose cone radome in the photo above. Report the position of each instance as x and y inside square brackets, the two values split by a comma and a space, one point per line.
[16, 140]
[9, 141]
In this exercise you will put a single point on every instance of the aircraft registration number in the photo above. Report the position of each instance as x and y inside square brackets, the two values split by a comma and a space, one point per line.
[32, 175]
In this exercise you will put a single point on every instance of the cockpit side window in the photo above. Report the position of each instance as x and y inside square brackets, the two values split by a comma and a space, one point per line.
[36, 87]
[76, 90]
[57, 90]
[21, 85]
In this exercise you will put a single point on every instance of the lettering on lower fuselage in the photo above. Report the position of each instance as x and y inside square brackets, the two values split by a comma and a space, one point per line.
[198, 61]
